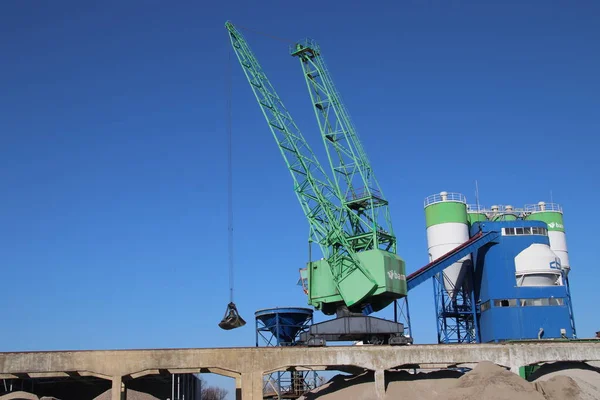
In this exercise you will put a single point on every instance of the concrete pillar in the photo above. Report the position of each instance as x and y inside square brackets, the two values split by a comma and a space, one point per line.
[252, 386]
[515, 369]
[238, 388]
[379, 384]
[118, 389]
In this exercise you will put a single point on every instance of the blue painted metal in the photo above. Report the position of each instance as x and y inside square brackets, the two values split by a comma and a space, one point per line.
[456, 318]
[282, 327]
[506, 311]
[570, 305]
[493, 284]
[475, 311]
[436, 266]
[402, 315]
[284, 324]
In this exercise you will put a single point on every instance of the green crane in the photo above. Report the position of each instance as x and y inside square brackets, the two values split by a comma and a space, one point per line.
[348, 216]
[349, 163]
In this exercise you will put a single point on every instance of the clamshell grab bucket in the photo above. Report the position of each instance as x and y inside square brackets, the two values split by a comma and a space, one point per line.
[232, 318]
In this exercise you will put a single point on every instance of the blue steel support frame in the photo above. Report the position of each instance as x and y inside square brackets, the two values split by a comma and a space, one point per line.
[456, 319]
[570, 304]
[283, 381]
[402, 314]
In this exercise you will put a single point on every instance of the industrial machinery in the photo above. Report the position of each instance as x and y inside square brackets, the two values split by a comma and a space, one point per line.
[360, 272]
[232, 318]
[515, 287]
[348, 215]
[282, 327]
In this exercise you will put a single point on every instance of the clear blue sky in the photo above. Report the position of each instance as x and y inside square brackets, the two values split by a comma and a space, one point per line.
[113, 151]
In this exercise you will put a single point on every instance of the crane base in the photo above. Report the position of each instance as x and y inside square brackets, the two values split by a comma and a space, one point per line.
[369, 330]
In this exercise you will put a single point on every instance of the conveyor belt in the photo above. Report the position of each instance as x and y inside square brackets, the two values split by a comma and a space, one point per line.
[436, 266]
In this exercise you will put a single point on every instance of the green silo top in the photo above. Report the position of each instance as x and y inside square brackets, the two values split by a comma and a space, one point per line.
[445, 207]
[550, 213]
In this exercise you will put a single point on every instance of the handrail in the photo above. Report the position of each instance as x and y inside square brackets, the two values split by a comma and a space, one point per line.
[439, 197]
[543, 207]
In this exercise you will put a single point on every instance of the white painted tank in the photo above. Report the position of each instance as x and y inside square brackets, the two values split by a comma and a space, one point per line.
[538, 265]
[552, 215]
[447, 228]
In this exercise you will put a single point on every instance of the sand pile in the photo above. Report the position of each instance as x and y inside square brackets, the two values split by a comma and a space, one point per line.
[345, 387]
[131, 395]
[420, 386]
[486, 381]
[20, 395]
[583, 375]
[559, 387]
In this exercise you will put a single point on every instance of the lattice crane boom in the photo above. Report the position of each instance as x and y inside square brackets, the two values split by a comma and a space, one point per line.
[352, 171]
[319, 198]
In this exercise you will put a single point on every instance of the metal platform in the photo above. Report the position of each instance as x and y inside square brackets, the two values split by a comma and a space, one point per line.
[369, 330]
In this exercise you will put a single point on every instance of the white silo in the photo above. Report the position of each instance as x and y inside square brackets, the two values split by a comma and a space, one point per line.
[552, 215]
[538, 265]
[447, 228]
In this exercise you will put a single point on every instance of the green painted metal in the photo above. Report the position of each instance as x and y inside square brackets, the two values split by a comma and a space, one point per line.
[553, 219]
[476, 217]
[505, 217]
[444, 212]
[364, 204]
[388, 269]
[526, 371]
[337, 221]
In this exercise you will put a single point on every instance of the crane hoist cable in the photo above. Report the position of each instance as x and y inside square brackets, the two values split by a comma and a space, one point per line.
[232, 318]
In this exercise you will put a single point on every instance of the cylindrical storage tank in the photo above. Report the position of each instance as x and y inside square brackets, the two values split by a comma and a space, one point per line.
[476, 217]
[504, 214]
[552, 215]
[504, 217]
[536, 266]
[475, 214]
[447, 228]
